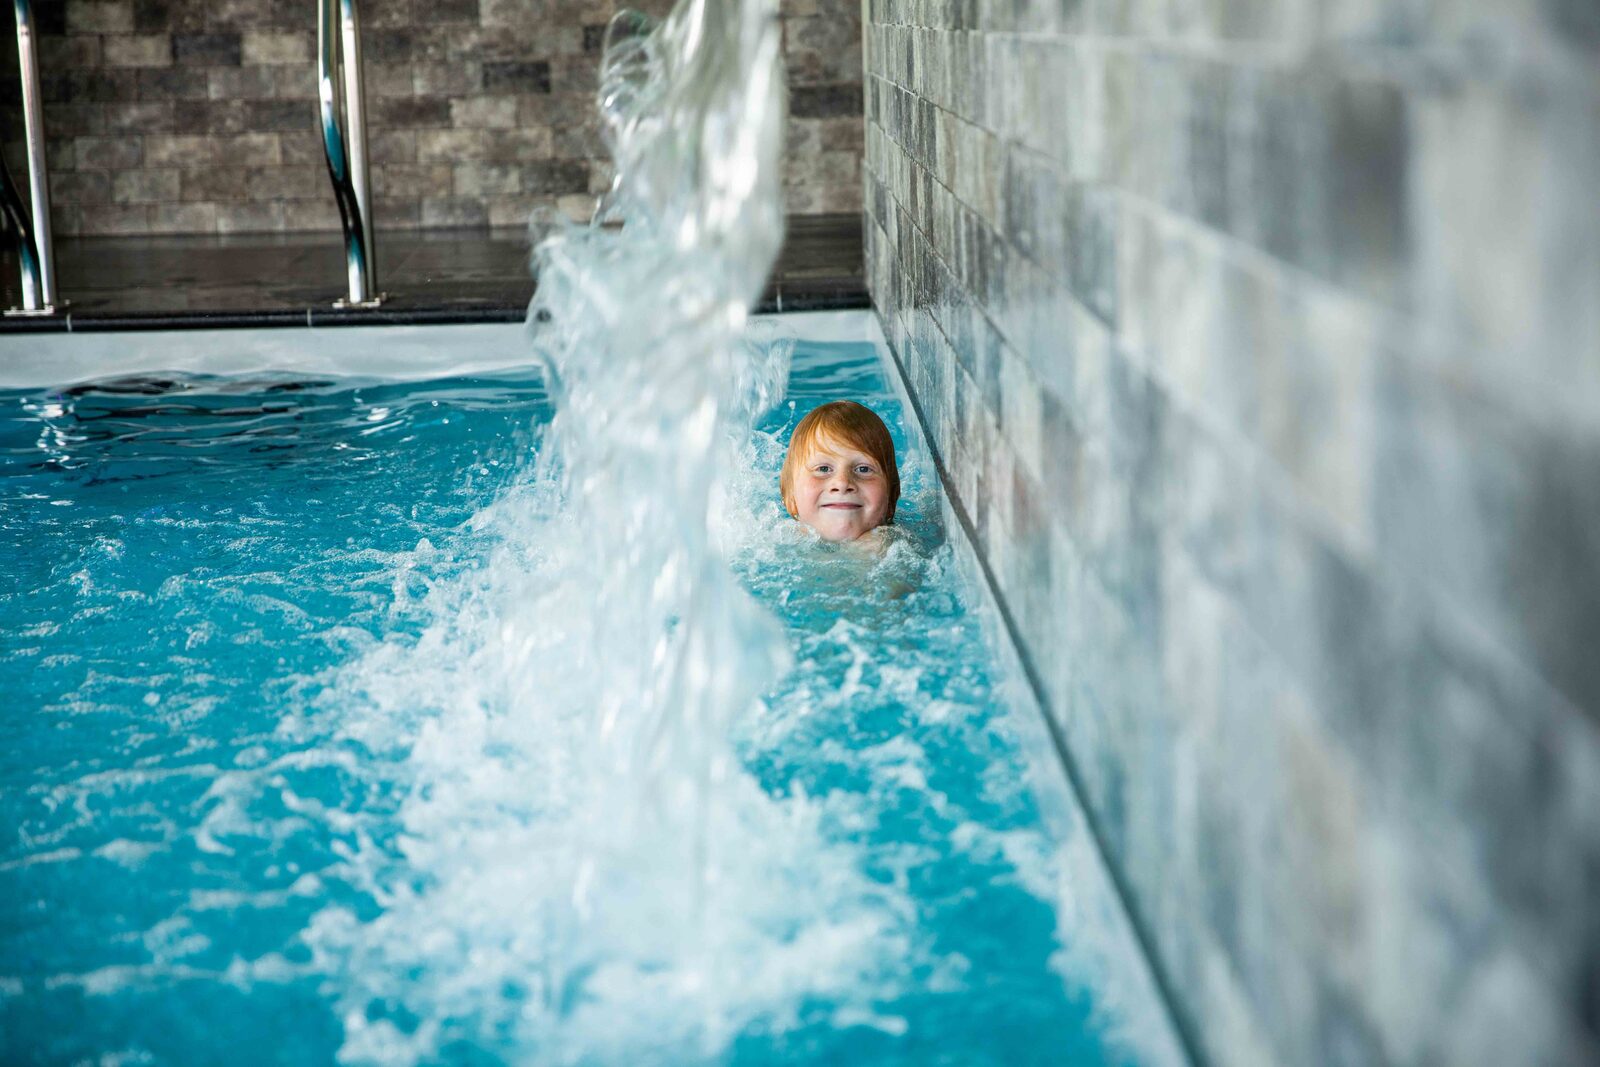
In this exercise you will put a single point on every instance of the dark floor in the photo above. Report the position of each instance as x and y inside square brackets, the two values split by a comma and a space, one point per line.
[431, 276]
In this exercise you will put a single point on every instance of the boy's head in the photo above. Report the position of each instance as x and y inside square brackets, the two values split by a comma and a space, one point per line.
[839, 477]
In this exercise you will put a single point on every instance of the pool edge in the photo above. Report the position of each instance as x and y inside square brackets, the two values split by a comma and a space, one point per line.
[386, 352]
[1027, 700]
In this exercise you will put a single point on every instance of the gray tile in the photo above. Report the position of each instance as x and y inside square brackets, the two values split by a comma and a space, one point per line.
[1277, 334]
[207, 49]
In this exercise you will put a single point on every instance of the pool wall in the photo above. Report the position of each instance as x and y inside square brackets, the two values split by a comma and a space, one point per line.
[1261, 347]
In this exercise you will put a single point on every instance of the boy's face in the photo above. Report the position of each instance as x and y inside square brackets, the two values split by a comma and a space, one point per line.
[840, 492]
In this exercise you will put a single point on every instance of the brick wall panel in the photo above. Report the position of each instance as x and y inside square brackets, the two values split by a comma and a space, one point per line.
[440, 78]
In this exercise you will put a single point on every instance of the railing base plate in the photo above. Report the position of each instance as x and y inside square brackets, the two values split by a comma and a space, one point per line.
[344, 305]
[48, 309]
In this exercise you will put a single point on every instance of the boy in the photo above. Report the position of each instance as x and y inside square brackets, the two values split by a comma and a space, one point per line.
[839, 476]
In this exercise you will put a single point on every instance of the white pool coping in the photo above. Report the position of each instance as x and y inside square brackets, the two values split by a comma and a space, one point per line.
[390, 353]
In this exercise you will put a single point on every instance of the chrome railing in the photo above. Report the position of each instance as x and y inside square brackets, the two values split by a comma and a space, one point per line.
[339, 47]
[34, 246]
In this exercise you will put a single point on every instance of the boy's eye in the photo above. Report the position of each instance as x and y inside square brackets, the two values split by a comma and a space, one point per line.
[823, 468]
[863, 469]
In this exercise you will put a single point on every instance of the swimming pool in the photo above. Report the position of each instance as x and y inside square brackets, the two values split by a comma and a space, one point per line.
[269, 797]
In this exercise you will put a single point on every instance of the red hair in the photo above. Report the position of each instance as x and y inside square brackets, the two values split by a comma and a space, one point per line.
[842, 422]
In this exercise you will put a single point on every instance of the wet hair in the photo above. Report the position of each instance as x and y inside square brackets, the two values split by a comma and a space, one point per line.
[847, 423]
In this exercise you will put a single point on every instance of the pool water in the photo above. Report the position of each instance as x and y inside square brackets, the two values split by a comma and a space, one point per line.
[247, 814]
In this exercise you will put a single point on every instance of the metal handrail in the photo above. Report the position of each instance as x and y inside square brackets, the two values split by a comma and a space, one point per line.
[35, 248]
[347, 155]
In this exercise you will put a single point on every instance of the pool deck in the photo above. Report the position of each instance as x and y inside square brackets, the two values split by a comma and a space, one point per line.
[430, 276]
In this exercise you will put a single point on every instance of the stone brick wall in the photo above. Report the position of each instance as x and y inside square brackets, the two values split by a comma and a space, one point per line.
[1261, 344]
[199, 116]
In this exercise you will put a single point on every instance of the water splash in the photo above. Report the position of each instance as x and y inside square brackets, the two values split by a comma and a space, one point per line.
[662, 902]
[641, 330]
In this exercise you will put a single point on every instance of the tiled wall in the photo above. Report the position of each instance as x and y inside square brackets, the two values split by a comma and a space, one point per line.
[200, 116]
[1262, 345]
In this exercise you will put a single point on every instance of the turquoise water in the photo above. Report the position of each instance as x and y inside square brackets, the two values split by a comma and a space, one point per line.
[230, 615]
